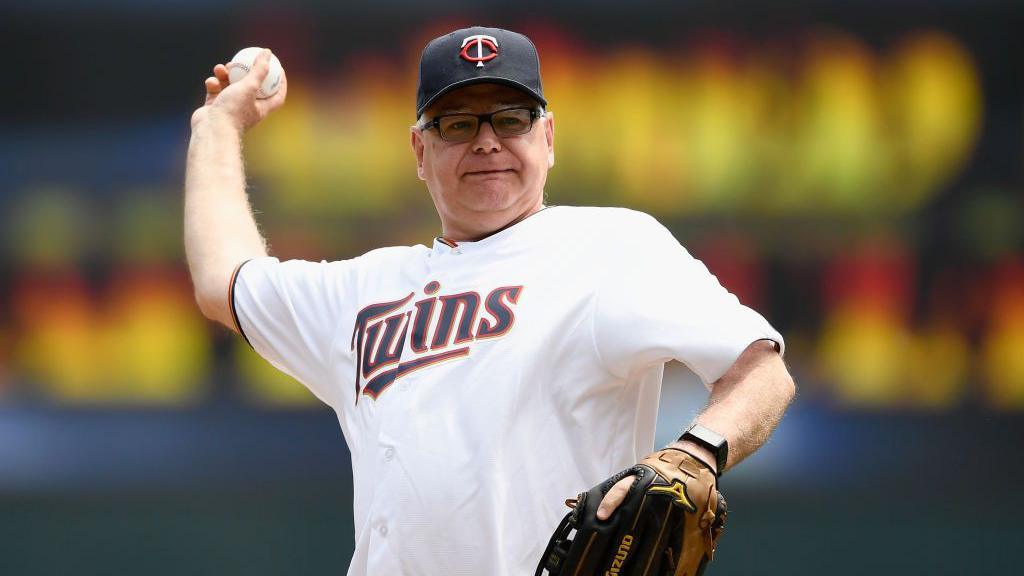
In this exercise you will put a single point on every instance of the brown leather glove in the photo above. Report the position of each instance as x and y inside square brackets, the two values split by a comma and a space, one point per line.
[668, 524]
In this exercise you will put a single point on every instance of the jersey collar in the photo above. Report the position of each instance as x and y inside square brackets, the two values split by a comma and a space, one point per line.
[443, 245]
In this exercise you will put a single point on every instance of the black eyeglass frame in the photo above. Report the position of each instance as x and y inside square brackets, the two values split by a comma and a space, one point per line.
[435, 122]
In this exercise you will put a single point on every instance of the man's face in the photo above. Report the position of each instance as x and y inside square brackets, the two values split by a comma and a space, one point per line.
[486, 183]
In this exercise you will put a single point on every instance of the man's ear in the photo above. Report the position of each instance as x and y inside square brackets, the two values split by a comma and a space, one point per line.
[549, 135]
[416, 139]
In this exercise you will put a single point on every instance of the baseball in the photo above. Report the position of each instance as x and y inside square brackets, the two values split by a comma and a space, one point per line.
[243, 62]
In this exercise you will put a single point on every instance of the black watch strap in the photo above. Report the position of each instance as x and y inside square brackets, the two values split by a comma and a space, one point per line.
[713, 441]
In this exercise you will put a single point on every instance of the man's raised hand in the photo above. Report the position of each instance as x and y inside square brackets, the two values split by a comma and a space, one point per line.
[237, 103]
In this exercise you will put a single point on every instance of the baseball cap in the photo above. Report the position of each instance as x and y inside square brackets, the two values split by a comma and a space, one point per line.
[477, 55]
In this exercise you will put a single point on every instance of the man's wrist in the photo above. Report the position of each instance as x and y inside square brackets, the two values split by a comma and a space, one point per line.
[697, 451]
[210, 119]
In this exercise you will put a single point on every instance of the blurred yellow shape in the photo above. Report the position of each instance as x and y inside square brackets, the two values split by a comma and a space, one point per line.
[722, 107]
[841, 156]
[158, 347]
[642, 109]
[1002, 351]
[582, 129]
[1003, 361]
[873, 360]
[344, 152]
[937, 368]
[864, 353]
[57, 345]
[150, 347]
[933, 96]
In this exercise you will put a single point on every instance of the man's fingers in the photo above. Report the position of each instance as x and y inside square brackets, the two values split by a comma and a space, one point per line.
[213, 85]
[614, 497]
[282, 90]
[221, 72]
[261, 67]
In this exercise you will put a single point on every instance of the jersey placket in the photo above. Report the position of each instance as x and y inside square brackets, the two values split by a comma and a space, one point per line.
[394, 498]
[388, 477]
[393, 407]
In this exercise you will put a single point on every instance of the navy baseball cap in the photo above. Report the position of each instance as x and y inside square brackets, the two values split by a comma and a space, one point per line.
[474, 56]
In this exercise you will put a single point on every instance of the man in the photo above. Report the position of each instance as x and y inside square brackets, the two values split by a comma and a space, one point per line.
[482, 380]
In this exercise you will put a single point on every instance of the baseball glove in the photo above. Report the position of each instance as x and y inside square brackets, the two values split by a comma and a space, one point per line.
[668, 523]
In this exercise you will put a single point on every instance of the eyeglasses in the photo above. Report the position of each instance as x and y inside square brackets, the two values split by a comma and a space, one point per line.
[463, 127]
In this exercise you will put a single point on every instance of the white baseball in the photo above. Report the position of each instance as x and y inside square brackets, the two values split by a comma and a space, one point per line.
[242, 63]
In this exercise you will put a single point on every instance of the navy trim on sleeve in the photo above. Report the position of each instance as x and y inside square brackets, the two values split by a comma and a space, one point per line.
[231, 300]
[775, 343]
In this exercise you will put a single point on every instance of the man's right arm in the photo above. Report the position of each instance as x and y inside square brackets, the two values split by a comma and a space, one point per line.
[220, 231]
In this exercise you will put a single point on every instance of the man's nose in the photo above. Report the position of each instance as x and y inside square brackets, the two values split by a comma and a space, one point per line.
[486, 140]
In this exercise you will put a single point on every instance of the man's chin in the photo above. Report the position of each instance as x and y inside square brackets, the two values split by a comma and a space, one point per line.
[490, 196]
[479, 215]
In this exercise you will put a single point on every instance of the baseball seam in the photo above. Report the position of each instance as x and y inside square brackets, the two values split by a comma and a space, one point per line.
[259, 92]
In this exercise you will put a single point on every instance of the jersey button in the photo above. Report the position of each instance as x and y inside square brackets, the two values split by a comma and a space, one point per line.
[383, 530]
[389, 453]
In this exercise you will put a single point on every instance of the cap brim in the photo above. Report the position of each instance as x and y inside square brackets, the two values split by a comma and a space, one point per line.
[481, 80]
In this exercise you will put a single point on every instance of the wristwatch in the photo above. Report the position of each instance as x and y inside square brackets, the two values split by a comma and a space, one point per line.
[711, 440]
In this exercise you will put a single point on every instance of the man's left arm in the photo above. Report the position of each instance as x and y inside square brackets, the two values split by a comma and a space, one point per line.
[745, 406]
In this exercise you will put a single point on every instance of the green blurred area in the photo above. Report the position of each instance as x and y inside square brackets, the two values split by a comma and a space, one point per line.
[288, 531]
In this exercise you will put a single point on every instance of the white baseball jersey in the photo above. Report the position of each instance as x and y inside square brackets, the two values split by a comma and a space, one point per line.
[479, 384]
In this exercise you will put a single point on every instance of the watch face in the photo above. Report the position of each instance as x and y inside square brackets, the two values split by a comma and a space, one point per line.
[711, 440]
[708, 436]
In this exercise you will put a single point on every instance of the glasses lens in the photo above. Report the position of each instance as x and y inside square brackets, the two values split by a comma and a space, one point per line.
[458, 127]
[512, 122]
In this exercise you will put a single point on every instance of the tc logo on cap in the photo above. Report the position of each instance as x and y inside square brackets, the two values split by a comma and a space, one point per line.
[479, 40]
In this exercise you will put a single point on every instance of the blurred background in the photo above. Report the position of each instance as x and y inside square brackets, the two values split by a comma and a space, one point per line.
[851, 169]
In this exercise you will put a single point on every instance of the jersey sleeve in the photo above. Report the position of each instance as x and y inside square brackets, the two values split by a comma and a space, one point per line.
[664, 304]
[288, 312]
